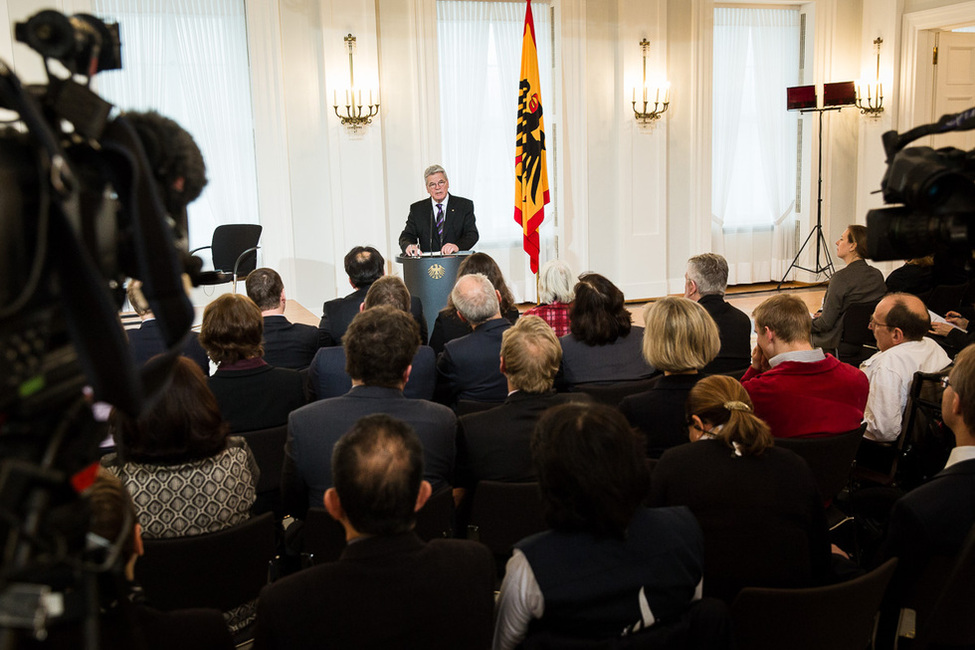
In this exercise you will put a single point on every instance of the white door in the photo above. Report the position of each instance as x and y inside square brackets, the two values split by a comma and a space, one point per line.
[954, 85]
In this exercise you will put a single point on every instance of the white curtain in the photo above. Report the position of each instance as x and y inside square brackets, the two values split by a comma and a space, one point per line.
[187, 59]
[479, 48]
[756, 57]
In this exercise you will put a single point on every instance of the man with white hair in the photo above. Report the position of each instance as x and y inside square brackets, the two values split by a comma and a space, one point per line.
[468, 367]
[555, 283]
[705, 282]
[443, 223]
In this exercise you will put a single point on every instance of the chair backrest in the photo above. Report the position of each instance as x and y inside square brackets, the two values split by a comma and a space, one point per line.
[467, 406]
[838, 617]
[926, 442]
[950, 621]
[504, 513]
[435, 518]
[613, 394]
[322, 537]
[230, 241]
[267, 445]
[945, 297]
[220, 570]
[855, 328]
[830, 458]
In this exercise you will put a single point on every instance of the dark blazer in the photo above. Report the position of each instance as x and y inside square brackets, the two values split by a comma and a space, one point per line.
[449, 326]
[287, 344]
[659, 412]
[621, 360]
[260, 398]
[384, 592]
[735, 330]
[146, 342]
[930, 521]
[460, 226]
[314, 429]
[762, 516]
[494, 445]
[327, 376]
[338, 313]
[470, 367]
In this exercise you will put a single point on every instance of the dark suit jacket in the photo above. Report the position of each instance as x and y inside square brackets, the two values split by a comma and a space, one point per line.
[659, 412]
[930, 521]
[146, 342]
[327, 376]
[470, 367]
[460, 226]
[449, 326]
[735, 330]
[384, 592]
[494, 445]
[314, 429]
[260, 398]
[338, 313]
[762, 516]
[287, 344]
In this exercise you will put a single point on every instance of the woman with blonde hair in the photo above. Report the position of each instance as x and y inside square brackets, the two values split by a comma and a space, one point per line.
[758, 505]
[680, 338]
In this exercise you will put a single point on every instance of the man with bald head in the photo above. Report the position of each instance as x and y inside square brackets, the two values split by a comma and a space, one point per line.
[899, 324]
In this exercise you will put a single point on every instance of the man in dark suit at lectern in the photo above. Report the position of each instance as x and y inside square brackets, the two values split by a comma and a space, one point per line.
[443, 223]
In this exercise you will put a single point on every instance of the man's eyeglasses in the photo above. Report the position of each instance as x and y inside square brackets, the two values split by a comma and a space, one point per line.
[874, 323]
[945, 382]
[432, 184]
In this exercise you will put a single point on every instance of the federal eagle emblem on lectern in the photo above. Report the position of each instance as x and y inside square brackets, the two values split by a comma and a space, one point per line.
[436, 271]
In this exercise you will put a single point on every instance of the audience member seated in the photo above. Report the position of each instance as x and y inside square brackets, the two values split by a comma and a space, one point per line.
[856, 283]
[449, 325]
[389, 589]
[799, 391]
[916, 276]
[125, 621]
[680, 338]
[554, 295]
[608, 567]
[705, 282]
[468, 367]
[934, 519]
[147, 341]
[379, 345]
[327, 376]
[185, 474]
[252, 394]
[949, 336]
[603, 346]
[758, 505]
[899, 324]
[364, 265]
[286, 344]
[495, 445]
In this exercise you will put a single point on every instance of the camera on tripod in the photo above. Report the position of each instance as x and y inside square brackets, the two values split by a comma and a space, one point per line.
[936, 190]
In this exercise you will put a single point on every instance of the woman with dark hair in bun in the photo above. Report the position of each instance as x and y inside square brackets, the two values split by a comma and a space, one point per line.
[758, 505]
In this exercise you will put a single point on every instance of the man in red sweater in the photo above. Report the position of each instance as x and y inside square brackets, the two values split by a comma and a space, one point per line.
[799, 390]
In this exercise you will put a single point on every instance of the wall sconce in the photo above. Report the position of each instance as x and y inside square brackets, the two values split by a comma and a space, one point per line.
[873, 105]
[356, 115]
[648, 118]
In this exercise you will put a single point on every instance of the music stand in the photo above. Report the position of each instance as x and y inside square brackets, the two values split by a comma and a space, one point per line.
[803, 99]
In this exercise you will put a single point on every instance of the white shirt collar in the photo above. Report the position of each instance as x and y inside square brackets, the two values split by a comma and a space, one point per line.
[802, 356]
[960, 454]
[433, 202]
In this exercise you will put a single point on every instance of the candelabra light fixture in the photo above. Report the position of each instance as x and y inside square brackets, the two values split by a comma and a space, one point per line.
[872, 105]
[656, 99]
[357, 114]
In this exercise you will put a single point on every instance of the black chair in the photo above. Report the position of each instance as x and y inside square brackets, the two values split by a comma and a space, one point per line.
[467, 406]
[233, 249]
[949, 621]
[706, 625]
[838, 617]
[831, 460]
[927, 442]
[612, 394]
[220, 570]
[945, 298]
[857, 342]
[504, 513]
[267, 445]
[435, 518]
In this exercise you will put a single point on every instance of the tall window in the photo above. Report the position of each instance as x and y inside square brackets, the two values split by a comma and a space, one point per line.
[756, 57]
[479, 48]
[187, 59]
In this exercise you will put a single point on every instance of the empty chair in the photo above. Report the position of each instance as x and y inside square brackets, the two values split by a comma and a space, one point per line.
[838, 617]
[233, 250]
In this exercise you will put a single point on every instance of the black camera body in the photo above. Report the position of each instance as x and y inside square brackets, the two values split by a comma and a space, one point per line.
[936, 192]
